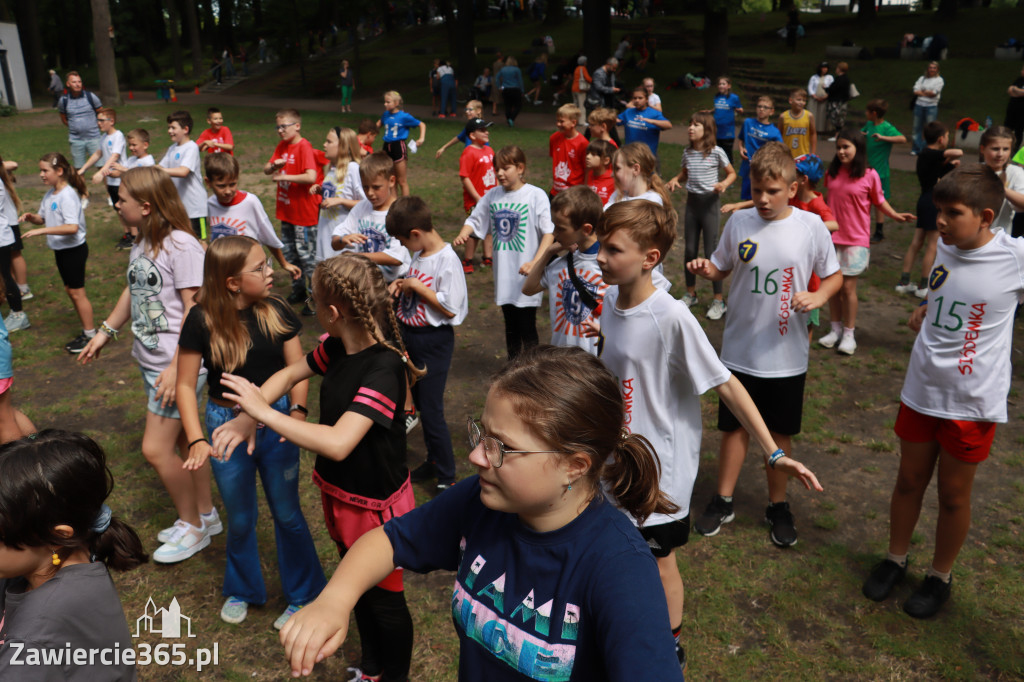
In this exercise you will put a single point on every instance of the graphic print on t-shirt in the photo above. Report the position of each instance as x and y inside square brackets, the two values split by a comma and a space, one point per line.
[938, 277]
[375, 240]
[148, 319]
[747, 250]
[411, 308]
[562, 171]
[509, 222]
[223, 226]
[570, 311]
[508, 638]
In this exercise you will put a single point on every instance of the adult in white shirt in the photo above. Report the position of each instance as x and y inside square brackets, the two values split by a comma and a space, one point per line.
[817, 89]
[928, 90]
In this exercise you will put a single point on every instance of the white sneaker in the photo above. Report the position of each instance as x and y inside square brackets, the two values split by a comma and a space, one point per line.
[829, 340]
[234, 610]
[847, 346]
[185, 541]
[906, 288]
[689, 300]
[16, 321]
[921, 293]
[717, 309]
[211, 521]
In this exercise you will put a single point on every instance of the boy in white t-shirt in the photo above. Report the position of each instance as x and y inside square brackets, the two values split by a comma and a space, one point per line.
[364, 230]
[573, 295]
[664, 362]
[957, 380]
[771, 251]
[519, 215]
[182, 163]
[138, 157]
[234, 212]
[110, 152]
[432, 299]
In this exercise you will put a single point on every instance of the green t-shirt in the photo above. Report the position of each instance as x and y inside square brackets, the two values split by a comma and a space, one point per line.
[878, 150]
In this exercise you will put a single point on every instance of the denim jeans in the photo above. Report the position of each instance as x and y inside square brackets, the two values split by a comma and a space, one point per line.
[302, 576]
[300, 249]
[432, 347]
[923, 115]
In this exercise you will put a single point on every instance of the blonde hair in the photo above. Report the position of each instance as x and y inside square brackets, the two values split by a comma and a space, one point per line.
[229, 338]
[475, 104]
[639, 154]
[8, 181]
[152, 185]
[353, 280]
[603, 115]
[394, 94]
[569, 111]
[348, 151]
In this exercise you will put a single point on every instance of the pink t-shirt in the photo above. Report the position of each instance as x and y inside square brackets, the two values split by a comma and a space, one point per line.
[850, 200]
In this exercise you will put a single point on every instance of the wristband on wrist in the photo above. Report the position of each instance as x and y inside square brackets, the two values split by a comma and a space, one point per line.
[108, 330]
[198, 440]
[775, 457]
[298, 408]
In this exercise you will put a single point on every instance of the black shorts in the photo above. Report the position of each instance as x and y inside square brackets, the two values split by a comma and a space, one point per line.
[780, 400]
[18, 245]
[927, 214]
[71, 265]
[665, 537]
[112, 193]
[199, 227]
[396, 149]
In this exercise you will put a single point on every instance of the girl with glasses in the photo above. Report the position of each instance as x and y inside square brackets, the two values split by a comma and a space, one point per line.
[552, 580]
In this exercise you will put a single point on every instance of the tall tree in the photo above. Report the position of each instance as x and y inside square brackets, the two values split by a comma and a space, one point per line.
[597, 32]
[104, 47]
[866, 10]
[225, 24]
[716, 35]
[554, 12]
[174, 24]
[195, 44]
[463, 47]
[27, 18]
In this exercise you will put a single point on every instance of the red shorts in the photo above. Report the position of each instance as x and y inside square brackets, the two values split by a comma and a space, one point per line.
[966, 441]
[346, 523]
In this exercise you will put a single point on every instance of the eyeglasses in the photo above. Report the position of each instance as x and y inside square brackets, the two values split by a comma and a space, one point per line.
[268, 266]
[284, 126]
[494, 449]
[765, 107]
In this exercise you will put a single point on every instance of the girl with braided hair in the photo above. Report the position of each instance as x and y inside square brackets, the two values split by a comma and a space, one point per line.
[360, 440]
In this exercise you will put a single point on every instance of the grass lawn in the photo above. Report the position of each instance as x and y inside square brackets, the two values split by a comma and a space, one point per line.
[752, 611]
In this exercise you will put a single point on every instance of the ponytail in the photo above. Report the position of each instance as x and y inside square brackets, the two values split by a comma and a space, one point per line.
[632, 478]
[58, 160]
[8, 181]
[119, 546]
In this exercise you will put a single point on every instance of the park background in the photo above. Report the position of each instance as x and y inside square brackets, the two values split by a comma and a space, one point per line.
[753, 611]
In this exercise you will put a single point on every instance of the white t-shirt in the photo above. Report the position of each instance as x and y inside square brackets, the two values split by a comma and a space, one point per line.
[350, 188]
[770, 260]
[663, 363]
[702, 171]
[113, 143]
[63, 208]
[567, 310]
[190, 188]
[934, 84]
[649, 195]
[8, 211]
[442, 273]
[653, 100]
[157, 308]
[362, 219]
[1014, 181]
[518, 220]
[132, 161]
[960, 365]
[245, 217]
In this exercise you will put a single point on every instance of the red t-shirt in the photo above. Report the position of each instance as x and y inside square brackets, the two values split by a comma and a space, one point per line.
[568, 160]
[366, 148]
[223, 135]
[604, 184]
[817, 206]
[477, 164]
[295, 204]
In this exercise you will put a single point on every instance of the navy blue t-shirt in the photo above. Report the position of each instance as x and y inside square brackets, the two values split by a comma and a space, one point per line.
[583, 602]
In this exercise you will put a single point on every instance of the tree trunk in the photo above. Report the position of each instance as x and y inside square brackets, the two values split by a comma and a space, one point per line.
[716, 41]
[192, 22]
[597, 32]
[554, 12]
[105, 64]
[209, 27]
[225, 25]
[464, 50]
[947, 9]
[866, 11]
[175, 32]
[27, 16]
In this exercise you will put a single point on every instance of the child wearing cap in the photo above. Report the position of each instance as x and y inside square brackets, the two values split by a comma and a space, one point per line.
[476, 170]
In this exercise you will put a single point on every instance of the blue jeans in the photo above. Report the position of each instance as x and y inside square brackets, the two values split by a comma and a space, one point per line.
[448, 89]
[432, 347]
[923, 115]
[302, 576]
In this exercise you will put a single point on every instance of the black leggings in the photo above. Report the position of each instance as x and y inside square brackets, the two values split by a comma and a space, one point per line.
[513, 99]
[520, 329]
[385, 632]
[701, 218]
[13, 292]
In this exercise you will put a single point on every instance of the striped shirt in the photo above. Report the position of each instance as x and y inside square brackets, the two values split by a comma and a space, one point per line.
[701, 170]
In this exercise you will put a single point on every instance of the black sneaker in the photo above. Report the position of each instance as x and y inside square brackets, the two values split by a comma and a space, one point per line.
[412, 420]
[297, 296]
[886, 575]
[718, 512]
[423, 472]
[125, 243]
[77, 344]
[780, 524]
[307, 311]
[877, 237]
[681, 655]
[927, 599]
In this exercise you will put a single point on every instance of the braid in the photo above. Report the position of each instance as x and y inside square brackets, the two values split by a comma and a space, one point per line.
[412, 371]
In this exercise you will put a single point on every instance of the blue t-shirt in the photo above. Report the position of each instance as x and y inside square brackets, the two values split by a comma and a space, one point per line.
[510, 77]
[754, 136]
[6, 365]
[641, 131]
[396, 125]
[725, 115]
[583, 602]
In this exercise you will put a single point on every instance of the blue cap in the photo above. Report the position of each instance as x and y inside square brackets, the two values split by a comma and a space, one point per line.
[810, 165]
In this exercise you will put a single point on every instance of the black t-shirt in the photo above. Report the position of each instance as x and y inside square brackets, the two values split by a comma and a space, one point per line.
[931, 165]
[265, 356]
[371, 383]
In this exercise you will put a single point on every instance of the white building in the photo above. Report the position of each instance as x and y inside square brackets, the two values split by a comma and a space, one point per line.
[13, 78]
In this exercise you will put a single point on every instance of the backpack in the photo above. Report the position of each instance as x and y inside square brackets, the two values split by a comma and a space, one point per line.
[62, 103]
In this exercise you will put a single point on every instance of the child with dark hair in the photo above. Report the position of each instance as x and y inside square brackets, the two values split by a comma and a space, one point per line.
[880, 136]
[217, 138]
[59, 540]
[182, 163]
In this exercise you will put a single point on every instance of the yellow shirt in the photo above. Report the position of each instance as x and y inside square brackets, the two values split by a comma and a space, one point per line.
[795, 132]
